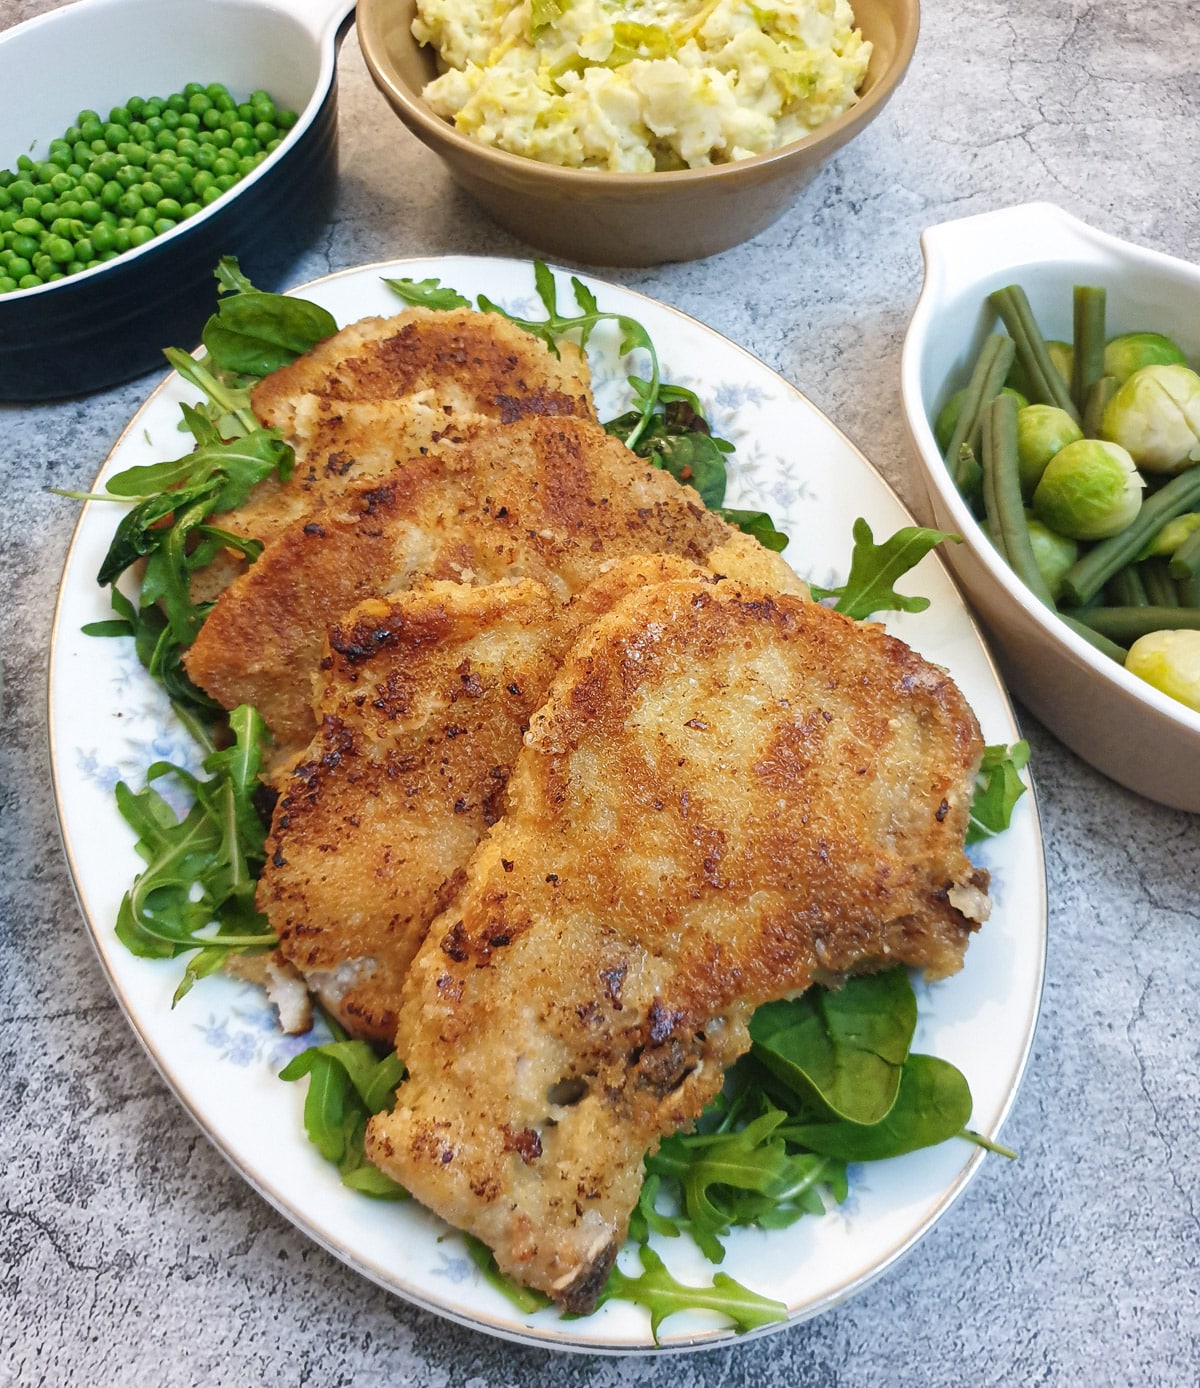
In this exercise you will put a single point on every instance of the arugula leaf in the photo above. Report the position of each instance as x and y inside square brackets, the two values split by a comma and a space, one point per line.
[347, 1083]
[678, 439]
[197, 890]
[841, 1050]
[728, 1178]
[662, 1296]
[875, 568]
[428, 293]
[998, 787]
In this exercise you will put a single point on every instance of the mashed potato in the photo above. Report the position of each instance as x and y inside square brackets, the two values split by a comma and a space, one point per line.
[644, 85]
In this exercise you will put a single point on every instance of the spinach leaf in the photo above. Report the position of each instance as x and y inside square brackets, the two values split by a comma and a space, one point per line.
[933, 1104]
[758, 524]
[841, 1050]
[254, 333]
[998, 787]
[875, 568]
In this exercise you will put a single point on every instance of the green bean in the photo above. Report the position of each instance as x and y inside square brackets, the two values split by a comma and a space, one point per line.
[1088, 359]
[1002, 487]
[1101, 643]
[1126, 589]
[1084, 579]
[1126, 624]
[1101, 392]
[1160, 586]
[987, 380]
[1045, 383]
[1185, 562]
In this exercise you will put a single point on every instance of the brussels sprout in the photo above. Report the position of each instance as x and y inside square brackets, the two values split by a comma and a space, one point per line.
[943, 430]
[1089, 490]
[1131, 351]
[1062, 358]
[1167, 540]
[1170, 661]
[1042, 431]
[1053, 553]
[1155, 416]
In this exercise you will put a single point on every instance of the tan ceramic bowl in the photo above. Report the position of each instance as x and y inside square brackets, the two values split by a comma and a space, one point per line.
[628, 219]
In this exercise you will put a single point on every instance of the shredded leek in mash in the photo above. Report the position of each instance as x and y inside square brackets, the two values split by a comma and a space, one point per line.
[642, 85]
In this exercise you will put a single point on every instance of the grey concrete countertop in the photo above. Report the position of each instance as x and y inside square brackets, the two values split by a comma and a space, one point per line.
[133, 1255]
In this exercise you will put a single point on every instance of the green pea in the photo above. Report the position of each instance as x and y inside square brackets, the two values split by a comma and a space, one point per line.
[31, 207]
[144, 217]
[189, 209]
[83, 249]
[265, 132]
[138, 236]
[121, 238]
[7, 284]
[206, 157]
[90, 212]
[211, 119]
[172, 185]
[187, 148]
[20, 189]
[60, 250]
[201, 180]
[166, 139]
[224, 103]
[70, 208]
[229, 118]
[30, 281]
[169, 207]
[7, 219]
[135, 106]
[75, 170]
[5, 199]
[153, 125]
[198, 101]
[62, 182]
[130, 203]
[170, 119]
[126, 178]
[64, 226]
[27, 226]
[242, 147]
[247, 165]
[25, 246]
[104, 239]
[151, 192]
[273, 145]
[115, 135]
[163, 225]
[188, 121]
[106, 166]
[25, 163]
[137, 155]
[19, 265]
[120, 115]
[224, 165]
[91, 129]
[177, 102]
[152, 107]
[225, 182]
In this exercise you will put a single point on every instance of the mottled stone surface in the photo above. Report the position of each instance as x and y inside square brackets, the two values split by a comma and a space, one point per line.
[130, 1254]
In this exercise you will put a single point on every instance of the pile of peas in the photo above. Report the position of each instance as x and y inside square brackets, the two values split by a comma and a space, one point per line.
[108, 186]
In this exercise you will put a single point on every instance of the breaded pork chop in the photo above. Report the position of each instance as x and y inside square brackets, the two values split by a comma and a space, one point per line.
[550, 499]
[384, 390]
[423, 701]
[726, 796]
[466, 362]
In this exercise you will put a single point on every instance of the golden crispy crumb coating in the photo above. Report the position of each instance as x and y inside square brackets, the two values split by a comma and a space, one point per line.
[727, 795]
[549, 499]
